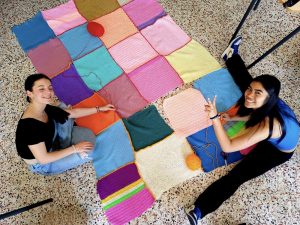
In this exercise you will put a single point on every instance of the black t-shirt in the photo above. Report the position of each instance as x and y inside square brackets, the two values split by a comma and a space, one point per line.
[31, 131]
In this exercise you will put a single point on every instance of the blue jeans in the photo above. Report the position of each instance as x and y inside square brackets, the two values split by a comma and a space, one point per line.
[59, 166]
[66, 135]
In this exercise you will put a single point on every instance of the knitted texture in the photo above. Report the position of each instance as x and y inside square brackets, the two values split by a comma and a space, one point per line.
[146, 128]
[63, 17]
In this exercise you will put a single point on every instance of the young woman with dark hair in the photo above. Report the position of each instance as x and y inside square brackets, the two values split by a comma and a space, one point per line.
[45, 137]
[270, 123]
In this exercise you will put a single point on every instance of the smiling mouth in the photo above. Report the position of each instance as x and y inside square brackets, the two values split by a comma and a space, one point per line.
[249, 101]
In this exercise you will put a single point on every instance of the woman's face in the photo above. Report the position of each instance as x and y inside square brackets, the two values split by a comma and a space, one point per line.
[255, 96]
[42, 92]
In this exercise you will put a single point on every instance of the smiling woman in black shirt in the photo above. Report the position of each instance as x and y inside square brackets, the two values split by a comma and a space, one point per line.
[45, 136]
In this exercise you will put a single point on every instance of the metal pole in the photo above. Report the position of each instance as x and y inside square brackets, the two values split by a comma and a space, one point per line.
[26, 208]
[275, 47]
[254, 3]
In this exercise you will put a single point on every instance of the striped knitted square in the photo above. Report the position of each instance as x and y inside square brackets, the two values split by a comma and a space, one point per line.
[130, 208]
[123, 194]
[132, 52]
[117, 180]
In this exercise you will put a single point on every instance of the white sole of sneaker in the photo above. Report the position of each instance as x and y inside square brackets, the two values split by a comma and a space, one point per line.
[229, 50]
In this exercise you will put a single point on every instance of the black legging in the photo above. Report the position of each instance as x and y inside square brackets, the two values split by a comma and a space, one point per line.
[262, 158]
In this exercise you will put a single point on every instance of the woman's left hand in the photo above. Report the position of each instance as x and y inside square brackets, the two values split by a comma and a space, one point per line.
[211, 108]
[108, 107]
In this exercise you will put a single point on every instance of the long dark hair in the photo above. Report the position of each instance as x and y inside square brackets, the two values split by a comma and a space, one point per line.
[29, 82]
[56, 113]
[270, 109]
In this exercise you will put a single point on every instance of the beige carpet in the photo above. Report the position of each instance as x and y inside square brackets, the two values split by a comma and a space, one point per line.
[273, 198]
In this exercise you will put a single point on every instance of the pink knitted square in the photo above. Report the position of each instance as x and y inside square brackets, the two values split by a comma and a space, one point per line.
[165, 36]
[117, 27]
[130, 208]
[155, 78]
[50, 58]
[144, 12]
[132, 52]
[124, 96]
[63, 17]
[185, 112]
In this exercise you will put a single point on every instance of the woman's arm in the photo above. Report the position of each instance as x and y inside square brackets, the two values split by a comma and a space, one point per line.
[226, 117]
[39, 151]
[250, 137]
[81, 112]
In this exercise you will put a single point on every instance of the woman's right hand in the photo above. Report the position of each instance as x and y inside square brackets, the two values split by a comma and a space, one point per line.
[84, 146]
[225, 117]
[108, 107]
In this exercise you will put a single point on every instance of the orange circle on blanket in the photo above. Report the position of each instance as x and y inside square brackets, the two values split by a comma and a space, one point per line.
[193, 162]
[95, 29]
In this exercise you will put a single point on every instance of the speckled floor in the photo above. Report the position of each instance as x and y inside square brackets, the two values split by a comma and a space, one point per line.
[273, 198]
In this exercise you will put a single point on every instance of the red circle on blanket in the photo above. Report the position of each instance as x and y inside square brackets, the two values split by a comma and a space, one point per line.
[95, 29]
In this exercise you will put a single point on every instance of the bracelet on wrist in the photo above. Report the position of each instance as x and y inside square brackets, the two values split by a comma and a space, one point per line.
[216, 116]
[74, 149]
[98, 108]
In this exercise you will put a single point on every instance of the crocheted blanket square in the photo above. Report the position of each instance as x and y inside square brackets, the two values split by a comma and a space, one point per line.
[33, 32]
[97, 68]
[69, 87]
[146, 128]
[207, 147]
[228, 93]
[144, 12]
[93, 9]
[132, 52]
[192, 61]
[165, 36]
[99, 121]
[155, 79]
[79, 41]
[110, 154]
[124, 96]
[50, 58]
[63, 17]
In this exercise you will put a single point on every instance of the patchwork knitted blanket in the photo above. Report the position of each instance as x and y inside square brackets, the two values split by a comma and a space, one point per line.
[141, 56]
